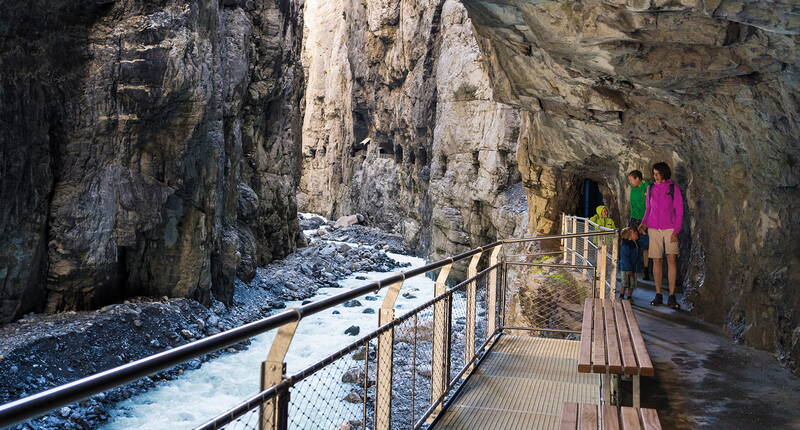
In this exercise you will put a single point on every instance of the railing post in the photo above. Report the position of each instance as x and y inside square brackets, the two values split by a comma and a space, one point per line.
[383, 374]
[614, 258]
[574, 239]
[439, 360]
[601, 267]
[586, 248]
[491, 294]
[469, 339]
[564, 240]
[274, 413]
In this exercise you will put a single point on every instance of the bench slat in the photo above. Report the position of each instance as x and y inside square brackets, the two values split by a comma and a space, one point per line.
[626, 344]
[599, 363]
[630, 419]
[612, 340]
[585, 354]
[646, 366]
[610, 418]
[569, 416]
[588, 416]
[650, 419]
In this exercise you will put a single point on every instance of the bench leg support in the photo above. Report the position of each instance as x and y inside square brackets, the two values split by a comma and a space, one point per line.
[636, 391]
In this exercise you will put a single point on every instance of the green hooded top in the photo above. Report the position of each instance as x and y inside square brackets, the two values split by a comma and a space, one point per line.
[599, 220]
[638, 200]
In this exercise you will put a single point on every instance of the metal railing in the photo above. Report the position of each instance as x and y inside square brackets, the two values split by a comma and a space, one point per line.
[586, 249]
[423, 356]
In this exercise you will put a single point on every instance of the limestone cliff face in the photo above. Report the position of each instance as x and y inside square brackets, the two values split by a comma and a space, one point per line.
[400, 124]
[147, 148]
[709, 87]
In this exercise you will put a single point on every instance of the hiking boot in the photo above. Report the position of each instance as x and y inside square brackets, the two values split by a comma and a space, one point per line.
[659, 300]
[673, 302]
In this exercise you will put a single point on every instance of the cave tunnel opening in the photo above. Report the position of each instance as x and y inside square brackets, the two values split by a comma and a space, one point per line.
[589, 198]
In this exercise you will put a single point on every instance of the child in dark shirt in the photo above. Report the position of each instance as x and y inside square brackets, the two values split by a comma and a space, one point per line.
[630, 259]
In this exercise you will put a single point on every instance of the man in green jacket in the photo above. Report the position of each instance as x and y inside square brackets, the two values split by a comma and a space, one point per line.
[637, 201]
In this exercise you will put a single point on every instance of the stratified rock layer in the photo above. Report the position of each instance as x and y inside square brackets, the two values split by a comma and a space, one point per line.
[400, 125]
[147, 148]
[710, 88]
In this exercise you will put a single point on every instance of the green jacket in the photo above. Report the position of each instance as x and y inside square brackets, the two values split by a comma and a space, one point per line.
[637, 199]
[603, 222]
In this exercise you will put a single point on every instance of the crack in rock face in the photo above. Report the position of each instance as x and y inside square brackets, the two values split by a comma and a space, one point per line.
[712, 89]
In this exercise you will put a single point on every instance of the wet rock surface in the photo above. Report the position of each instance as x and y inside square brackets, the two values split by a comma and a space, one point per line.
[42, 351]
[707, 382]
[147, 148]
[400, 125]
[712, 89]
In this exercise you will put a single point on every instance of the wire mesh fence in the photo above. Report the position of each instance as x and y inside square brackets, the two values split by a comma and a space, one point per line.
[396, 376]
[339, 395]
[412, 367]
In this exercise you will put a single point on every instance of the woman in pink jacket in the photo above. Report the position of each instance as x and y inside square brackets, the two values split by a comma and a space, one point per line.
[662, 219]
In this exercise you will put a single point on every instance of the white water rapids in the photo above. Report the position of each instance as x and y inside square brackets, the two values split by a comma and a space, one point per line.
[222, 383]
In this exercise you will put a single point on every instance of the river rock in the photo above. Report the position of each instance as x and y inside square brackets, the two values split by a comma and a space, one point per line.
[353, 330]
[348, 220]
[352, 303]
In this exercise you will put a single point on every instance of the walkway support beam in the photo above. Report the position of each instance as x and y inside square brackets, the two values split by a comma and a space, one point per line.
[472, 303]
[440, 360]
[585, 249]
[574, 239]
[383, 375]
[614, 260]
[274, 412]
[564, 241]
[491, 294]
[602, 251]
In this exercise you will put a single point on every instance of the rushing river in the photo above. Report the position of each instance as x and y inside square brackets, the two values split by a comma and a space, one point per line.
[201, 394]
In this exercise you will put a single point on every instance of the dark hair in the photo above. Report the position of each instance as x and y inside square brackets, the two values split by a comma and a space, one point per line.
[636, 174]
[663, 168]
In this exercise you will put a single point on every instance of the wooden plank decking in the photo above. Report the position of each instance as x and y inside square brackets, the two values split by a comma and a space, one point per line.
[522, 384]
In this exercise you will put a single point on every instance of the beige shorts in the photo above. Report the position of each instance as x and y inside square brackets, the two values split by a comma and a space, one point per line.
[661, 242]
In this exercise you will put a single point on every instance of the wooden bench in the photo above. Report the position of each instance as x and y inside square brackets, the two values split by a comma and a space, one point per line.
[584, 416]
[612, 344]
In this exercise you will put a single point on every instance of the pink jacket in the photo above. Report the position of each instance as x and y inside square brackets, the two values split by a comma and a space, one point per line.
[664, 211]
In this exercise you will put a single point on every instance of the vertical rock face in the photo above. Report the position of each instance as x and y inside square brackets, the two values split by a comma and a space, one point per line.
[400, 124]
[710, 88]
[148, 148]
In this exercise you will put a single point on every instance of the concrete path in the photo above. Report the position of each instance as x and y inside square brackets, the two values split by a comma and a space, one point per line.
[706, 381]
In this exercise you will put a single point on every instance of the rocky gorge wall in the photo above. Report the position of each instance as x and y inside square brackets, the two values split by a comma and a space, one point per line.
[400, 125]
[146, 148]
[709, 87]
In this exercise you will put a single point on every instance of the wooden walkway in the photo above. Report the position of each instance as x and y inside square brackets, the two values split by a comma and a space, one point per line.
[522, 384]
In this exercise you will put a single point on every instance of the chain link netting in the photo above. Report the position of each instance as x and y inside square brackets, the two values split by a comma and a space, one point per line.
[339, 395]
[412, 368]
[418, 359]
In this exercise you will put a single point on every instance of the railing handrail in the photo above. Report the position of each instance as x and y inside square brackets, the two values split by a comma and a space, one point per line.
[587, 220]
[54, 398]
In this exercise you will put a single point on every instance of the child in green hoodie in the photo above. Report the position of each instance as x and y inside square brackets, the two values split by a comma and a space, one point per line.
[603, 220]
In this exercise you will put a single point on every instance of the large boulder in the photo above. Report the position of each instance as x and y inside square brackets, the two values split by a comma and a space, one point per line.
[348, 220]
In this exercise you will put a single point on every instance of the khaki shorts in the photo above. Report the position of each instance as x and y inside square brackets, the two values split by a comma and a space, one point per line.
[661, 242]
